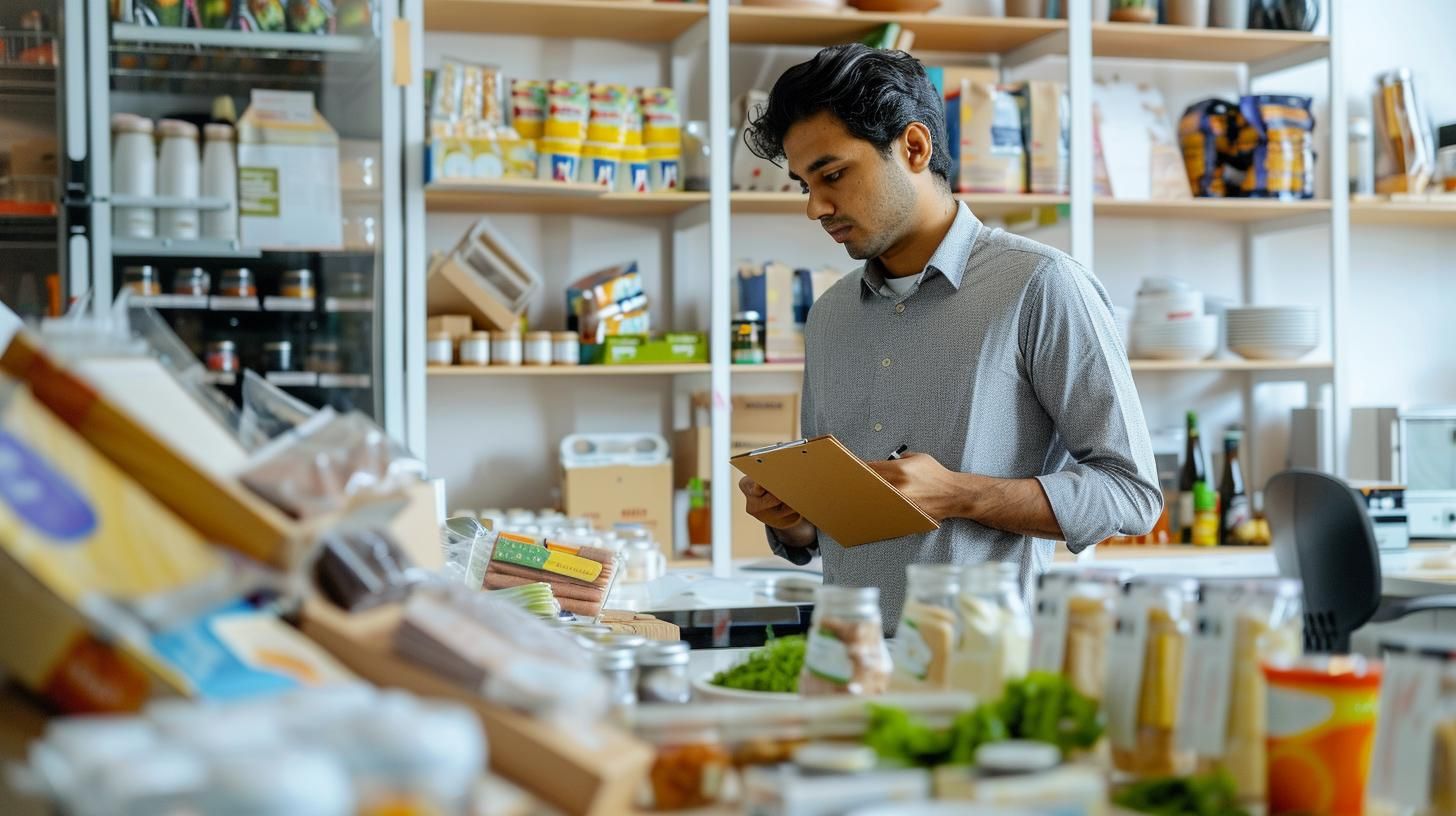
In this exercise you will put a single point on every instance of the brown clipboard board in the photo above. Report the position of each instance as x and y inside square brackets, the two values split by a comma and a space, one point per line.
[834, 491]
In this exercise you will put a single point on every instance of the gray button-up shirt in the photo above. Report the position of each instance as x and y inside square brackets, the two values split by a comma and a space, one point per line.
[1002, 360]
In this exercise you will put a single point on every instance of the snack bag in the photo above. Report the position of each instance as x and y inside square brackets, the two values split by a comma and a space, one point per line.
[1275, 142]
[1204, 135]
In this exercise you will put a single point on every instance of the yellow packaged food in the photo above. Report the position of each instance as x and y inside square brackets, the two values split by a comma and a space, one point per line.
[600, 164]
[1144, 676]
[567, 110]
[609, 110]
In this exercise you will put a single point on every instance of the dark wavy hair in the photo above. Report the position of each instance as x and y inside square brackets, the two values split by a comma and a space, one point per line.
[875, 93]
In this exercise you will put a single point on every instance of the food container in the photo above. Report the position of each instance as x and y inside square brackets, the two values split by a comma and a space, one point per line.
[689, 770]
[1413, 769]
[297, 283]
[995, 643]
[1322, 713]
[194, 281]
[634, 175]
[347, 284]
[237, 283]
[618, 667]
[664, 167]
[179, 175]
[324, 357]
[222, 357]
[599, 164]
[1239, 625]
[748, 345]
[663, 673]
[141, 280]
[278, 356]
[642, 558]
[440, 349]
[558, 160]
[133, 173]
[1144, 676]
[506, 348]
[930, 628]
[538, 348]
[1074, 615]
[475, 349]
[846, 653]
[565, 348]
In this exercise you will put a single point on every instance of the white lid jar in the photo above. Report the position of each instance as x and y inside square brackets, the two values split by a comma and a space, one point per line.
[566, 348]
[179, 175]
[538, 348]
[133, 173]
[439, 349]
[846, 652]
[506, 349]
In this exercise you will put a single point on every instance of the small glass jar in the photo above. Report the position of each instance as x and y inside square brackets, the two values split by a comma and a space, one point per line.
[995, 644]
[278, 356]
[194, 281]
[846, 653]
[930, 627]
[141, 280]
[347, 284]
[475, 349]
[324, 357]
[642, 558]
[506, 348]
[565, 348]
[618, 666]
[748, 346]
[222, 357]
[237, 283]
[663, 673]
[538, 348]
[297, 283]
[1145, 653]
[440, 349]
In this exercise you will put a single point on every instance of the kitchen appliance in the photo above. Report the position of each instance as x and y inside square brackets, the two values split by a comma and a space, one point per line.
[1385, 503]
[1309, 435]
[1415, 447]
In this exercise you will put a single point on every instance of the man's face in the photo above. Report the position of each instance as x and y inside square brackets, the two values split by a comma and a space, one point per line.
[863, 199]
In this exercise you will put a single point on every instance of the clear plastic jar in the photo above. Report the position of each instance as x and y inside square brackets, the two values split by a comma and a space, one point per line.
[565, 348]
[297, 283]
[930, 627]
[237, 283]
[141, 280]
[662, 673]
[617, 665]
[846, 653]
[995, 644]
[1073, 618]
[194, 281]
[1145, 675]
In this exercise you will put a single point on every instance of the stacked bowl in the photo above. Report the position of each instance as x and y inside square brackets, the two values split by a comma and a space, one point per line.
[1273, 332]
[1169, 323]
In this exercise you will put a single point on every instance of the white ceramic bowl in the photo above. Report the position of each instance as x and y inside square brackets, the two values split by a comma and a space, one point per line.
[1170, 306]
[705, 691]
[1154, 286]
[1272, 351]
[1192, 339]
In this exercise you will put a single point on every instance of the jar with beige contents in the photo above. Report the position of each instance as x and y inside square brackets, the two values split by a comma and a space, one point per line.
[996, 642]
[929, 630]
[846, 653]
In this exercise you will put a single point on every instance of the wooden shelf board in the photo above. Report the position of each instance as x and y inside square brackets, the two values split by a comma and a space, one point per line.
[1166, 42]
[591, 19]
[551, 198]
[568, 371]
[755, 25]
[1404, 213]
[770, 368]
[1230, 365]
[983, 205]
[1238, 210]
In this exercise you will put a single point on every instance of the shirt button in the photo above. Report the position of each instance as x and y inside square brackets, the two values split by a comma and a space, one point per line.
[885, 362]
[899, 308]
[878, 427]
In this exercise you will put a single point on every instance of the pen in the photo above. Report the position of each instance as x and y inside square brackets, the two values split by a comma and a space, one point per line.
[898, 451]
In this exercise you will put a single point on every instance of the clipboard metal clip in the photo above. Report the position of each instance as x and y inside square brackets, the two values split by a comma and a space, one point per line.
[778, 446]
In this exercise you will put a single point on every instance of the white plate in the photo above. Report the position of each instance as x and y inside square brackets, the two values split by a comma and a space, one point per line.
[705, 691]
[1271, 352]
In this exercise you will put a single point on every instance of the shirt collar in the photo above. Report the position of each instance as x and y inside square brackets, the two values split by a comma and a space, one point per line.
[950, 258]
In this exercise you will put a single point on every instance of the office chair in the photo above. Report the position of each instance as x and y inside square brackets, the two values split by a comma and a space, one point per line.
[1324, 537]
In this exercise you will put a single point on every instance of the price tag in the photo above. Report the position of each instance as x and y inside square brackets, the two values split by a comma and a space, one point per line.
[1049, 623]
[535, 556]
[1208, 666]
[1400, 769]
[1125, 653]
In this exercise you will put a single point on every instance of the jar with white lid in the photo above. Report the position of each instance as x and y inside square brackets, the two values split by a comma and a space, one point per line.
[133, 173]
[995, 641]
[220, 180]
[663, 673]
[475, 349]
[538, 349]
[930, 627]
[505, 348]
[846, 652]
[440, 349]
[566, 348]
[179, 176]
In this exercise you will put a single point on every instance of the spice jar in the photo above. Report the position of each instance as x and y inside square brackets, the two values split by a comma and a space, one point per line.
[440, 349]
[505, 348]
[748, 346]
[930, 627]
[324, 357]
[565, 348]
[347, 284]
[689, 770]
[475, 349]
[618, 666]
[141, 280]
[237, 283]
[278, 356]
[222, 357]
[1145, 675]
[846, 653]
[297, 283]
[663, 673]
[538, 348]
[194, 281]
[995, 644]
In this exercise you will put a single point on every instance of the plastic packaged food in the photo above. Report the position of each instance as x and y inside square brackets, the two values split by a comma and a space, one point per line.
[846, 653]
[308, 16]
[1074, 617]
[993, 156]
[528, 108]
[1322, 713]
[1413, 768]
[1144, 676]
[995, 644]
[608, 120]
[1203, 134]
[1274, 146]
[1238, 626]
[930, 628]
[267, 15]
[568, 106]
[661, 117]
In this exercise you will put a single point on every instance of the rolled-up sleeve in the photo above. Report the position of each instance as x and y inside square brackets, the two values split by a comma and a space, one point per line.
[807, 428]
[1079, 370]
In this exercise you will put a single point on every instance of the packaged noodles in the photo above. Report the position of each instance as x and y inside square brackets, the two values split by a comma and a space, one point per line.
[1274, 146]
[568, 107]
[1074, 614]
[1204, 135]
[1144, 676]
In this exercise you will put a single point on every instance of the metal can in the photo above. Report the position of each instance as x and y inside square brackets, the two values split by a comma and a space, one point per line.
[663, 673]
[748, 345]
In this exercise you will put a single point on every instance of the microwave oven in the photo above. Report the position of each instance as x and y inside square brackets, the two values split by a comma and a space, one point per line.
[1415, 448]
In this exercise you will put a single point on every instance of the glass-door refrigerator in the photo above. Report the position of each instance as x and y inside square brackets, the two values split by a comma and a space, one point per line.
[244, 181]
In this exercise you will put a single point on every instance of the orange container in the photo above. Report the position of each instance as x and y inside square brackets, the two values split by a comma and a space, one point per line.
[1322, 713]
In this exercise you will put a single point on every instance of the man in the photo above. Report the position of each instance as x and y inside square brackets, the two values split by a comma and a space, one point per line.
[994, 358]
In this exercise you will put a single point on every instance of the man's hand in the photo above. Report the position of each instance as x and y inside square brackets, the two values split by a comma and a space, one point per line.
[1015, 505]
[766, 507]
[939, 492]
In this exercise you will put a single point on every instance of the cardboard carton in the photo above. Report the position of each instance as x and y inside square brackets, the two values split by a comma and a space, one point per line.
[288, 174]
[622, 494]
[458, 326]
[452, 288]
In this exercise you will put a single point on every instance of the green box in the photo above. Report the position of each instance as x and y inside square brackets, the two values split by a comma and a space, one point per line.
[639, 349]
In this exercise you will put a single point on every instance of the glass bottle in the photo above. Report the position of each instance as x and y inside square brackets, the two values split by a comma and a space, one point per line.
[700, 521]
[846, 653]
[930, 627]
[1233, 500]
[995, 644]
[1195, 470]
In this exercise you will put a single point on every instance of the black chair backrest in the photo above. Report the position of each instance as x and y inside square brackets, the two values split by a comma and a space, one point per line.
[1323, 536]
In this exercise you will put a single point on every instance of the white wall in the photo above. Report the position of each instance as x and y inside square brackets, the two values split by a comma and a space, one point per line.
[494, 439]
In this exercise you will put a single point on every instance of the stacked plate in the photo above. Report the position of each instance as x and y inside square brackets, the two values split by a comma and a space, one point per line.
[1169, 323]
[1273, 332]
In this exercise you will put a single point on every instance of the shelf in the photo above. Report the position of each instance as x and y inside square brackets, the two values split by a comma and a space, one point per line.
[170, 202]
[755, 25]
[1233, 364]
[345, 381]
[769, 368]
[593, 19]
[179, 248]
[348, 305]
[292, 379]
[1234, 210]
[220, 303]
[983, 205]
[1165, 42]
[169, 301]
[1404, 213]
[224, 379]
[276, 303]
[569, 371]
[550, 198]
[250, 40]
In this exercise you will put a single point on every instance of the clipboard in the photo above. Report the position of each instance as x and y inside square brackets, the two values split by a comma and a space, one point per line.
[834, 490]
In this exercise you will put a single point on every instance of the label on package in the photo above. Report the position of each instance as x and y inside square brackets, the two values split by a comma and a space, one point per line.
[1400, 768]
[1049, 624]
[534, 556]
[1125, 651]
[911, 652]
[828, 658]
[1208, 665]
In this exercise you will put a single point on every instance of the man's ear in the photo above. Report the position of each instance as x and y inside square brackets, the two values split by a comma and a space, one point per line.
[918, 147]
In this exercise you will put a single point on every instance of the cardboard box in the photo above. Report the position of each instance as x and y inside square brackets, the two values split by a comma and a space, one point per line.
[451, 288]
[457, 326]
[288, 174]
[692, 455]
[453, 159]
[622, 494]
[675, 348]
[766, 415]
